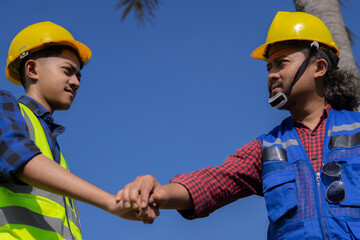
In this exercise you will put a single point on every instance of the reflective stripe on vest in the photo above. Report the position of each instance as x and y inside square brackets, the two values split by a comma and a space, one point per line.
[23, 216]
[285, 144]
[28, 212]
[344, 127]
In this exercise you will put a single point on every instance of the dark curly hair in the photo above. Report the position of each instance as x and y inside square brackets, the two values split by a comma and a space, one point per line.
[341, 85]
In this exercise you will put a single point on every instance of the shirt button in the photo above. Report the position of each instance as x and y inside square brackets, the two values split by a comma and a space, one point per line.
[313, 134]
[314, 157]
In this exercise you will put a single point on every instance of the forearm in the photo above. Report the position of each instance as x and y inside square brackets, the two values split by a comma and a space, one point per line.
[178, 197]
[44, 173]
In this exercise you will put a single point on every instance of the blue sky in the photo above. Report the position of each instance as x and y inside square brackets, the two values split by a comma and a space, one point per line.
[179, 94]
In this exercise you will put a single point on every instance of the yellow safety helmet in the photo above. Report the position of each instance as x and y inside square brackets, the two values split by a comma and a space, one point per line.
[32, 38]
[295, 26]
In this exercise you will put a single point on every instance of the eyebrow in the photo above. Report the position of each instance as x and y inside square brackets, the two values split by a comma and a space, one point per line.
[277, 59]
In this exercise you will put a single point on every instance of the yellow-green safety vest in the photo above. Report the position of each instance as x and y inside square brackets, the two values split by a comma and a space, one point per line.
[29, 213]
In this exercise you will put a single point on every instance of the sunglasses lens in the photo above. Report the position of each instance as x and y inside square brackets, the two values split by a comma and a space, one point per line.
[336, 192]
[332, 169]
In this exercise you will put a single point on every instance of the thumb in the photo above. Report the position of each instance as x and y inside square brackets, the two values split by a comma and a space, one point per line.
[158, 198]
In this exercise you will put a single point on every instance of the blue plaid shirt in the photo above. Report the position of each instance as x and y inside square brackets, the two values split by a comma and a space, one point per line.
[16, 147]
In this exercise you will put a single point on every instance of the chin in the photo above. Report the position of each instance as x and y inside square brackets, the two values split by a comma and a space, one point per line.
[64, 106]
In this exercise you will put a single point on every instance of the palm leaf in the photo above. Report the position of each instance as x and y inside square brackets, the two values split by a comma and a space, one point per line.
[143, 9]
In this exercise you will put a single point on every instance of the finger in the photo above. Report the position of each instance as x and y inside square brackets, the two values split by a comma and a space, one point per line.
[153, 204]
[148, 213]
[155, 210]
[145, 213]
[145, 191]
[157, 198]
[147, 185]
[134, 196]
[118, 196]
[125, 196]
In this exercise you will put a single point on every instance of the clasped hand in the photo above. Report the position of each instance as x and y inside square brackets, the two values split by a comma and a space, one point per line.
[142, 198]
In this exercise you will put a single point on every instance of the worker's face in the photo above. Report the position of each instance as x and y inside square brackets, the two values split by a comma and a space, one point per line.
[57, 80]
[282, 67]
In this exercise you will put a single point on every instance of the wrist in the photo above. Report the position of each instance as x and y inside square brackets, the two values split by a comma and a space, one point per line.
[106, 202]
[177, 197]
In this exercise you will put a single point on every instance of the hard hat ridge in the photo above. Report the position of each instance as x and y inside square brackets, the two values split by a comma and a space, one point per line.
[295, 26]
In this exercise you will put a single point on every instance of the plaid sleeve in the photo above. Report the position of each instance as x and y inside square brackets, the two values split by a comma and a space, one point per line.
[16, 147]
[213, 187]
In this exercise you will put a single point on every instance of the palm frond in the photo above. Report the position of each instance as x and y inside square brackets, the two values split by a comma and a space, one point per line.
[143, 9]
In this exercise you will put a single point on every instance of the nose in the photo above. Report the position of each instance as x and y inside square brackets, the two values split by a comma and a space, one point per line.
[74, 82]
[273, 77]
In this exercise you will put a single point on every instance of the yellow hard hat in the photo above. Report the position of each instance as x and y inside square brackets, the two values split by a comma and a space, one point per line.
[295, 26]
[32, 38]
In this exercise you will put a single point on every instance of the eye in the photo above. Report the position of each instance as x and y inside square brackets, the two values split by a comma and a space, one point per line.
[71, 71]
[282, 62]
[67, 70]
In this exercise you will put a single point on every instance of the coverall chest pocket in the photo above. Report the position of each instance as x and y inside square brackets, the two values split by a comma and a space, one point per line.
[349, 161]
[351, 177]
[279, 190]
[345, 150]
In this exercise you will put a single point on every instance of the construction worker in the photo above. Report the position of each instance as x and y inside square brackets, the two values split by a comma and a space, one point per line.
[307, 168]
[37, 191]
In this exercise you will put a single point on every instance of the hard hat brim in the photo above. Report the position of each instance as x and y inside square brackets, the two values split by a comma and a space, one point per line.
[259, 52]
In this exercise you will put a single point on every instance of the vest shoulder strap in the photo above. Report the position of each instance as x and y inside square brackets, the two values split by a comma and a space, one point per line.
[37, 134]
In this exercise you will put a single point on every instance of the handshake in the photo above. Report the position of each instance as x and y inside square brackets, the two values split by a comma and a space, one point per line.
[141, 199]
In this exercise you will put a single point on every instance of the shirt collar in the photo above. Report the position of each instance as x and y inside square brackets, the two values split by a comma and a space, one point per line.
[41, 112]
[327, 110]
[34, 106]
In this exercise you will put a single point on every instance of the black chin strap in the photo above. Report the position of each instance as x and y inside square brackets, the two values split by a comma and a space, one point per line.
[313, 49]
[280, 99]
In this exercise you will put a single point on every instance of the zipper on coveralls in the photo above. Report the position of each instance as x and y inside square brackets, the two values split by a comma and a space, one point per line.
[321, 207]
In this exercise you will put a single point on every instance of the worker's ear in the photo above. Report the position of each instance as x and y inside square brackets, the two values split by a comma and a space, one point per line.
[321, 67]
[30, 69]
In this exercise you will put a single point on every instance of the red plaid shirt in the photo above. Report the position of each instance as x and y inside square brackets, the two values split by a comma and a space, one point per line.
[240, 175]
